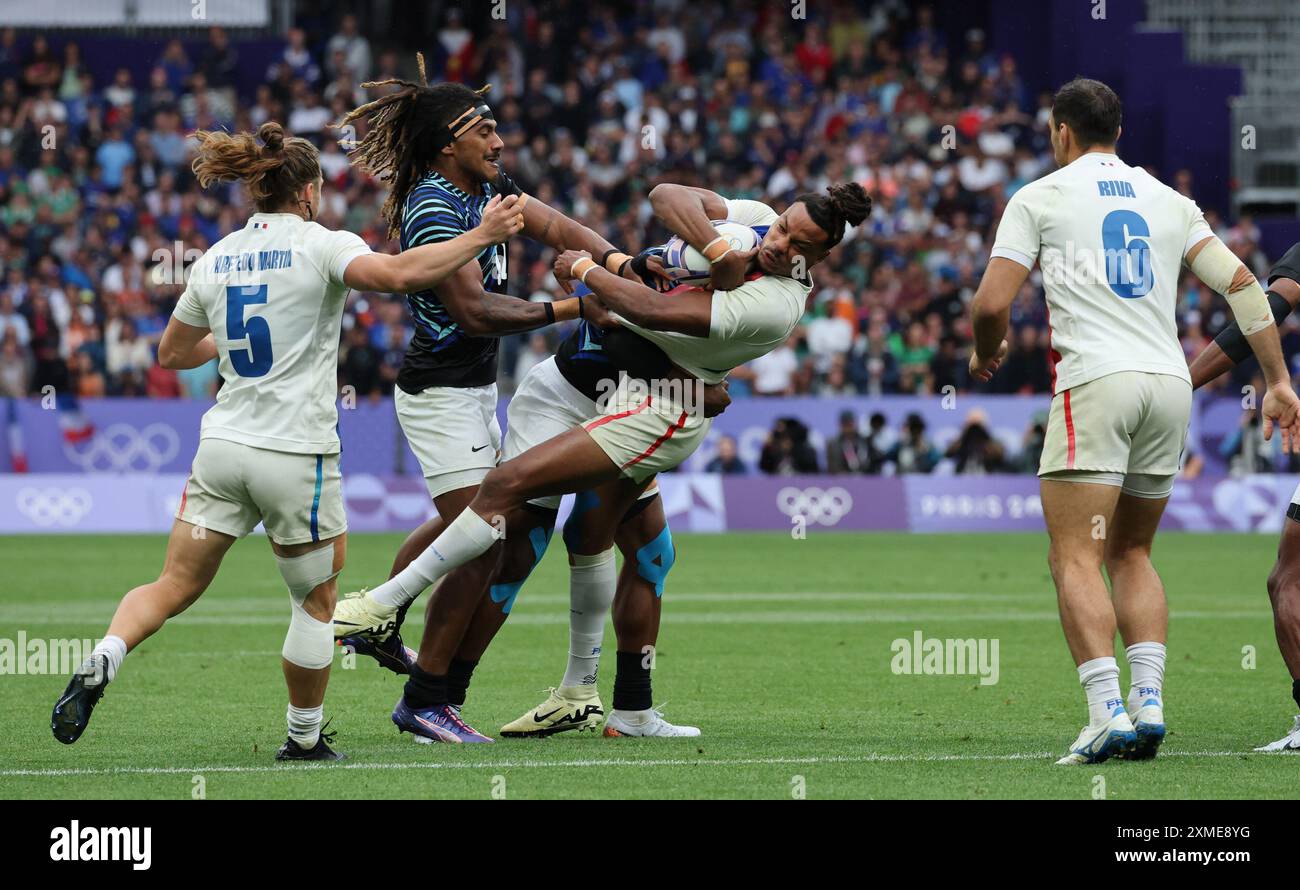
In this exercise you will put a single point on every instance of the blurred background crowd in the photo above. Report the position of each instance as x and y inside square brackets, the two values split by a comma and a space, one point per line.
[101, 214]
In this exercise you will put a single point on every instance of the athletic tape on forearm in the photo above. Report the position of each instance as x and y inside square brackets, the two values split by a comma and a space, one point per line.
[1234, 343]
[1217, 266]
[613, 261]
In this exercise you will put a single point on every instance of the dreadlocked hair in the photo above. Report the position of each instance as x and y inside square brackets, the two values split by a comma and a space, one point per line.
[405, 124]
[273, 172]
[844, 202]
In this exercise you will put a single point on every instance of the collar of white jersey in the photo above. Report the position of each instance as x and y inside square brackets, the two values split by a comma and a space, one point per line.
[266, 220]
[1096, 156]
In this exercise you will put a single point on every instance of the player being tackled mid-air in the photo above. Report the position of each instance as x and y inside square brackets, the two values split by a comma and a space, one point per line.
[267, 302]
[438, 147]
[1122, 394]
[704, 334]
[1230, 348]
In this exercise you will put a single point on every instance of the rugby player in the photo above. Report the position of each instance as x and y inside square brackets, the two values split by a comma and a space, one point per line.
[267, 302]
[554, 396]
[438, 147]
[704, 333]
[1228, 349]
[1111, 240]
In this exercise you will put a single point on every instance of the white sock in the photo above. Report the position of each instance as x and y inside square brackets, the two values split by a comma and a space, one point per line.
[115, 650]
[592, 582]
[1146, 671]
[304, 725]
[468, 536]
[1100, 679]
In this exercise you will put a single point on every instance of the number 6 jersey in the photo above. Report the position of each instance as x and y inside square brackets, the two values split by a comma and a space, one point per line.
[273, 295]
[1111, 240]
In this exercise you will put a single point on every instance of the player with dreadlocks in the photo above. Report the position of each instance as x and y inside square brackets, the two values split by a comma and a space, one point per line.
[438, 147]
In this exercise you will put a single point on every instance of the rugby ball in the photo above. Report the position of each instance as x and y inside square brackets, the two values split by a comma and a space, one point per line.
[686, 265]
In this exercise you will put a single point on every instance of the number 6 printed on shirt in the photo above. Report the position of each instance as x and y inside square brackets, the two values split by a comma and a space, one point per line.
[1127, 256]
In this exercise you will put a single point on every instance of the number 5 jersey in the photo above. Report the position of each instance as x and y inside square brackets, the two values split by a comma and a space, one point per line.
[272, 294]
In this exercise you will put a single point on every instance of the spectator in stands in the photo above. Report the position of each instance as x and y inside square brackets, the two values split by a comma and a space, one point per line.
[15, 365]
[359, 363]
[220, 59]
[848, 451]
[913, 452]
[1027, 367]
[12, 320]
[787, 450]
[734, 101]
[727, 461]
[128, 354]
[354, 47]
[879, 440]
[976, 451]
[773, 374]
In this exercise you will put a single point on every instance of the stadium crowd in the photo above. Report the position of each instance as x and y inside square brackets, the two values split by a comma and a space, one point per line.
[101, 213]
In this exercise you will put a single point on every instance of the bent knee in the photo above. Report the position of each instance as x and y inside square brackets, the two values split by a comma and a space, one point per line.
[500, 488]
[1062, 561]
[320, 603]
[1127, 555]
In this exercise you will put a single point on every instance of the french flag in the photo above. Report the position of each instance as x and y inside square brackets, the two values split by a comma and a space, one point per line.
[261, 225]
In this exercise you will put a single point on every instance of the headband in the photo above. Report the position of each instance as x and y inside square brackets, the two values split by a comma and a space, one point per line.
[466, 121]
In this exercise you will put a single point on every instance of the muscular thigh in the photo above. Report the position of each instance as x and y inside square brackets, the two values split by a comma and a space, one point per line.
[1078, 515]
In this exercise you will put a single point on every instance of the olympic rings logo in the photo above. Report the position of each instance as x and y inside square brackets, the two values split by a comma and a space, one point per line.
[121, 448]
[818, 506]
[48, 507]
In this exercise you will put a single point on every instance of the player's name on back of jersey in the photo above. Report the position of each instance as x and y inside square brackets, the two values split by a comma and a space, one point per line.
[1115, 188]
[252, 261]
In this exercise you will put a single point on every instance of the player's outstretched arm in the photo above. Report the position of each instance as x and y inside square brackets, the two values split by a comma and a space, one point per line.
[1211, 261]
[551, 227]
[428, 265]
[990, 313]
[482, 313]
[689, 312]
[185, 346]
[1231, 347]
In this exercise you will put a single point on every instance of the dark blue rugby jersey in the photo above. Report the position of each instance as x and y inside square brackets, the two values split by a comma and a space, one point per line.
[441, 353]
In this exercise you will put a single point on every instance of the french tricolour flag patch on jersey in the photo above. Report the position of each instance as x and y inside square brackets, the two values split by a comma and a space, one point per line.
[261, 225]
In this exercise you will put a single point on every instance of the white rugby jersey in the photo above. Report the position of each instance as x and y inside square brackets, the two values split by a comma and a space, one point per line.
[748, 321]
[273, 295]
[1111, 240]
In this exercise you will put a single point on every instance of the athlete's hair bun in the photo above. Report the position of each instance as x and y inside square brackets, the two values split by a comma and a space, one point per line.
[272, 136]
[850, 202]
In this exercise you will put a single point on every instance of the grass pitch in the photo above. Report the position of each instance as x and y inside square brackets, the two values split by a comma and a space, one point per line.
[780, 650]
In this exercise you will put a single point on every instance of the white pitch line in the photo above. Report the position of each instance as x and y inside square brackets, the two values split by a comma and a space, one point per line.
[1047, 757]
